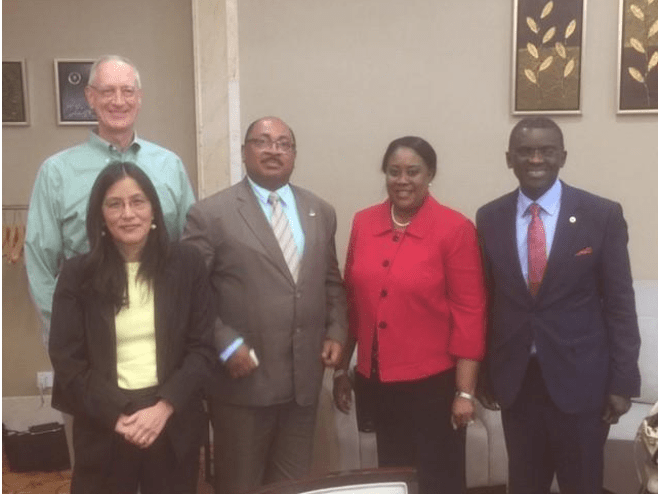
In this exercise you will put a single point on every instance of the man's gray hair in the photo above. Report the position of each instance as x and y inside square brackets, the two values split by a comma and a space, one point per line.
[113, 58]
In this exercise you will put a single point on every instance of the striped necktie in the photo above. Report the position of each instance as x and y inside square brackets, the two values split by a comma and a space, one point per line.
[283, 234]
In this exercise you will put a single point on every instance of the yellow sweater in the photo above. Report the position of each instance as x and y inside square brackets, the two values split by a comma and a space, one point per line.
[135, 330]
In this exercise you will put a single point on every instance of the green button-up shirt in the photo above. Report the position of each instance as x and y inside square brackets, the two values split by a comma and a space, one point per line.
[56, 228]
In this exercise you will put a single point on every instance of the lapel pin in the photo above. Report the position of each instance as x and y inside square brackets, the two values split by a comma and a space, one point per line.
[311, 213]
[572, 219]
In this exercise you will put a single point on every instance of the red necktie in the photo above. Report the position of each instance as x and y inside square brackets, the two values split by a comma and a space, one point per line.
[536, 250]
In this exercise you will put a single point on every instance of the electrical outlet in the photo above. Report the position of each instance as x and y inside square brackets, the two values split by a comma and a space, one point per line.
[44, 380]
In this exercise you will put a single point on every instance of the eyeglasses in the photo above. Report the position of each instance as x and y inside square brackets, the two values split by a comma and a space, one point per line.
[116, 207]
[546, 152]
[261, 143]
[129, 93]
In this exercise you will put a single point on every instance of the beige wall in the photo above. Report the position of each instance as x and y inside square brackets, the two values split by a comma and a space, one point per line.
[157, 36]
[350, 76]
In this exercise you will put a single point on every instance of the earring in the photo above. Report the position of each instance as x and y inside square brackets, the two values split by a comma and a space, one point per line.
[153, 226]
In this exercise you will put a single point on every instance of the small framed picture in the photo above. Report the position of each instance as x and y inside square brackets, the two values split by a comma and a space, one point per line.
[637, 90]
[547, 54]
[71, 77]
[15, 108]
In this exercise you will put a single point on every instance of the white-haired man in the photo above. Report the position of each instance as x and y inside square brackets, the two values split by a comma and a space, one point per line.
[58, 207]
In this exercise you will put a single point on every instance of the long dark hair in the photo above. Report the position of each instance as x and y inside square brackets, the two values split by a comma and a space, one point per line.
[104, 270]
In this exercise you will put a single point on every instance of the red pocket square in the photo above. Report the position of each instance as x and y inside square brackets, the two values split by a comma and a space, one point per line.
[585, 251]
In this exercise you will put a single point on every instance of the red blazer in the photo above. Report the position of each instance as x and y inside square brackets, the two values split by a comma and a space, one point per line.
[422, 290]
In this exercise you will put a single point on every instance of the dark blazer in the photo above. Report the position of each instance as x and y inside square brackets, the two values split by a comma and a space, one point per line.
[583, 320]
[257, 299]
[83, 350]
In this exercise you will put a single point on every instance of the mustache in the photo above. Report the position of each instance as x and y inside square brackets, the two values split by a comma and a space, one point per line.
[272, 157]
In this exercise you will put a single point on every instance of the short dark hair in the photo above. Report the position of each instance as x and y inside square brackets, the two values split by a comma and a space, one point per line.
[253, 124]
[538, 122]
[105, 271]
[419, 145]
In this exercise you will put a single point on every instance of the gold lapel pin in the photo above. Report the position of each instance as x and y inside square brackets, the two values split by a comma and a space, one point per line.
[311, 213]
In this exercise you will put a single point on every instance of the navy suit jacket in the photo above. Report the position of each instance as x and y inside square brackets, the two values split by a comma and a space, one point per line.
[582, 321]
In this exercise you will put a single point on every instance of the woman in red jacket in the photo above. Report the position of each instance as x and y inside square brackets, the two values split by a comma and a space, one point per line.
[417, 311]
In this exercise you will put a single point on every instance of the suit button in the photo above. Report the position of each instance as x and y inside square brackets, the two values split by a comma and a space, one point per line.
[384, 293]
[386, 263]
[298, 294]
[298, 330]
[382, 324]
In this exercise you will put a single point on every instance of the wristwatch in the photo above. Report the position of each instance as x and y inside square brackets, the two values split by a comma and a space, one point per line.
[464, 394]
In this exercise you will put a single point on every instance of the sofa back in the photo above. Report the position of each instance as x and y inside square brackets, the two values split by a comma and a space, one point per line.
[646, 301]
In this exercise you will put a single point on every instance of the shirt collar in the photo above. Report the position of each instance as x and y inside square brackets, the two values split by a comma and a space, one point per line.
[549, 201]
[263, 194]
[98, 141]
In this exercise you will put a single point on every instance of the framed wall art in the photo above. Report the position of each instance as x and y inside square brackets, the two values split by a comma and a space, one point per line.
[71, 77]
[637, 90]
[15, 108]
[547, 54]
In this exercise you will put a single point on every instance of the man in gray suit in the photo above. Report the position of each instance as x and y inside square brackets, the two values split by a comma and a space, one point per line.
[271, 254]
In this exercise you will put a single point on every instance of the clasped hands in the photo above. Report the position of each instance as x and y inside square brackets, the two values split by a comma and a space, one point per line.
[144, 426]
[241, 364]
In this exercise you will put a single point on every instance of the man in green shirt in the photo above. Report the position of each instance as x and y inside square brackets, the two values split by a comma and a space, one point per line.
[58, 207]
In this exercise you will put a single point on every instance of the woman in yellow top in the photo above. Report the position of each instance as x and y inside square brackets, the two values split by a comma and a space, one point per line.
[131, 345]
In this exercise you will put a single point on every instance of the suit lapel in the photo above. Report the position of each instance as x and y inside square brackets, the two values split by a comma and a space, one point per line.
[508, 244]
[105, 336]
[308, 219]
[163, 290]
[253, 216]
[565, 234]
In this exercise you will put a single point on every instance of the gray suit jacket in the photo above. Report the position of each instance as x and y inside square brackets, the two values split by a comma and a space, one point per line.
[257, 299]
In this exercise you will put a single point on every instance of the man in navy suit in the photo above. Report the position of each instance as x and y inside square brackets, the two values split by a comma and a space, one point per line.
[562, 348]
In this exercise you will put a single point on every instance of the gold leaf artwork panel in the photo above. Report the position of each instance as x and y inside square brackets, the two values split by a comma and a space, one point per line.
[558, 91]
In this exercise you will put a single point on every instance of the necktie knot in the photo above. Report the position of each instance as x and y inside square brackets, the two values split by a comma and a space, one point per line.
[273, 198]
[534, 209]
